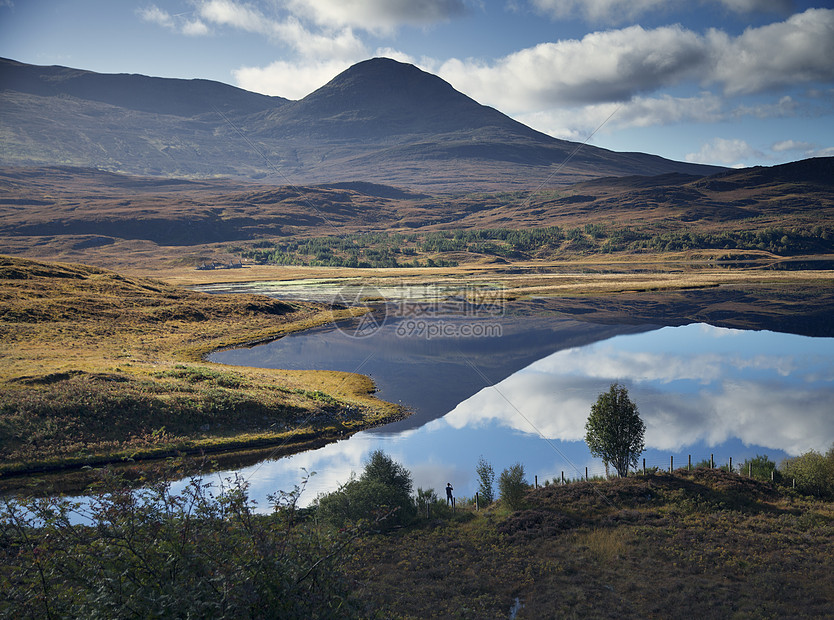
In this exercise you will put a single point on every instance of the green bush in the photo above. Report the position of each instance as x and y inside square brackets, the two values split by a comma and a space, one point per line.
[204, 553]
[430, 506]
[813, 472]
[759, 467]
[512, 486]
[381, 494]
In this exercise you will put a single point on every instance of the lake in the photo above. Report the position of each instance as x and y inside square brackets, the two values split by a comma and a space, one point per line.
[515, 384]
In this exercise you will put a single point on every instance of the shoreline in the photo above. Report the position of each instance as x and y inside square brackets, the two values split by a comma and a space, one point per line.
[585, 295]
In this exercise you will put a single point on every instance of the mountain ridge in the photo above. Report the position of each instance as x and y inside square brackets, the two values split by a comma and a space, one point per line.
[380, 121]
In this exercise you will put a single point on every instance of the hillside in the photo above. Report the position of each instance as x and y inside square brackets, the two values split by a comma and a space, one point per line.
[705, 543]
[104, 218]
[380, 121]
[98, 367]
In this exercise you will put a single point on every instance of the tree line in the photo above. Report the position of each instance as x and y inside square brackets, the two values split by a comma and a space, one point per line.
[375, 250]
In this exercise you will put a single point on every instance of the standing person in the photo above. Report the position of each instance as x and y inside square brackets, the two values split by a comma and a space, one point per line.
[450, 500]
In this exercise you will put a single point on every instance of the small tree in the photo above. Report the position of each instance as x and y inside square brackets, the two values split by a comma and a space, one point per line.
[384, 487]
[614, 430]
[512, 486]
[759, 467]
[486, 480]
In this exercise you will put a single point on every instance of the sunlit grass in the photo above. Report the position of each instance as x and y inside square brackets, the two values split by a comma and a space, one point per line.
[98, 367]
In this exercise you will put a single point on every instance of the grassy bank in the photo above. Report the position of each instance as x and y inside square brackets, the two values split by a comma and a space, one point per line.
[703, 543]
[98, 367]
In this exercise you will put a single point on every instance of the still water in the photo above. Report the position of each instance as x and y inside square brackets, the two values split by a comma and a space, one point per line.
[519, 389]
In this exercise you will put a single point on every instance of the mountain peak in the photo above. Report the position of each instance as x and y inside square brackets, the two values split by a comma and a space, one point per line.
[385, 96]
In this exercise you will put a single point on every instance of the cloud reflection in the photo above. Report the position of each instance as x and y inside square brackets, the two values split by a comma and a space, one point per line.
[766, 398]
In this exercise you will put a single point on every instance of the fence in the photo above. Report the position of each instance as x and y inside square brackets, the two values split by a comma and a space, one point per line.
[604, 472]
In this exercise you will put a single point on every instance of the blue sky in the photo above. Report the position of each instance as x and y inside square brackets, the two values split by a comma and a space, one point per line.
[728, 82]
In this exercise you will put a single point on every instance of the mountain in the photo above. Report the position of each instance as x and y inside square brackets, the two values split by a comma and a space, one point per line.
[380, 121]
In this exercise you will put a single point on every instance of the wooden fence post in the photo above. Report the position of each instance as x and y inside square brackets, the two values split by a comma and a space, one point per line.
[536, 481]
[644, 466]
[586, 473]
[750, 469]
[671, 462]
[563, 477]
[772, 475]
[712, 461]
[689, 466]
[477, 502]
[731, 464]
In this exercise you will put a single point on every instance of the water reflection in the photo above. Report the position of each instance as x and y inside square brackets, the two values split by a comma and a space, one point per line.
[701, 390]
[693, 384]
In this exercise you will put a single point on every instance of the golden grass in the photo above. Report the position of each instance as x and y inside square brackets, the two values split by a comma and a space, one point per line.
[82, 346]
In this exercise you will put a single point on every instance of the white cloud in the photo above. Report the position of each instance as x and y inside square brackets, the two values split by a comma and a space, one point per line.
[579, 123]
[195, 28]
[553, 397]
[785, 107]
[796, 51]
[758, 6]
[608, 11]
[229, 13]
[158, 16]
[617, 11]
[602, 66]
[792, 145]
[289, 30]
[175, 23]
[723, 151]
[623, 64]
[289, 79]
[377, 15]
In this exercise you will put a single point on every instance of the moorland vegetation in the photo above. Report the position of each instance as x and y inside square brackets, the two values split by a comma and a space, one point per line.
[706, 541]
[98, 367]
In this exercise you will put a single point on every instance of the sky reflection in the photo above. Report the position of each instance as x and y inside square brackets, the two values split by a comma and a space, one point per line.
[701, 390]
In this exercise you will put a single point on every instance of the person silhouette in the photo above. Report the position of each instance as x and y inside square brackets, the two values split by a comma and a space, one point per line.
[449, 497]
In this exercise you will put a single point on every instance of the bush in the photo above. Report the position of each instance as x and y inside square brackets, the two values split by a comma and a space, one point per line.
[759, 467]
[152, 554]
[382, 494]
[813, 472]
[512, 486]
[429, 505]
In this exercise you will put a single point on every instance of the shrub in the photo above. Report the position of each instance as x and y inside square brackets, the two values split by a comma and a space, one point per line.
[153, 554]
[759, 467]
[512, 485]
[382, 493]
[429, 505]
[486, 480]
[813, 472]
